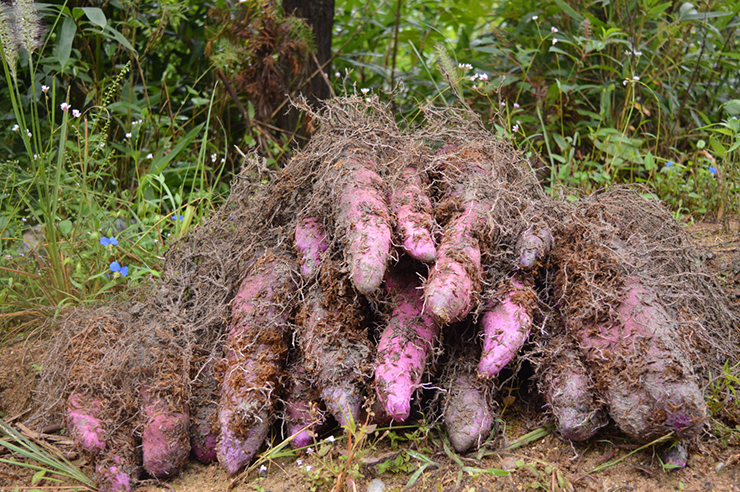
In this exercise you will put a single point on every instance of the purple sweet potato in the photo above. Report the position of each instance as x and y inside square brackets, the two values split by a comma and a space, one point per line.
[83, 424]
[642, 371]
[505, 326]
[255, 351]
[414, 220]
[303, 416]
[533, 246]
[569, 393]
[166, 438]
[203, 439]
[310, 242]
[114, 475]
[336, 349]
[468, 410]
[204, 413]
[363, 217]
[404, 347]
[455, 279]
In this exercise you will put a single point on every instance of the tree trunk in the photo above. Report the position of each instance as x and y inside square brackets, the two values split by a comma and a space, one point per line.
[320, 16]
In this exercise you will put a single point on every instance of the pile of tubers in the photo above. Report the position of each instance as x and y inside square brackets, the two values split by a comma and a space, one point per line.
[387, 270]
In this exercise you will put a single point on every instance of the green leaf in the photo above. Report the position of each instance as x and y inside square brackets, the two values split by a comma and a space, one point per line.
[38, 476]
[732, 107]
[96, 16]
[65, 227]
[719, 149]
[119, 37]
[569, 10]
[64, 43]
[650, 161]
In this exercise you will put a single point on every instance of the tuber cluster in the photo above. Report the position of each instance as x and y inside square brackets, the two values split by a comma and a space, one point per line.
[382, 272]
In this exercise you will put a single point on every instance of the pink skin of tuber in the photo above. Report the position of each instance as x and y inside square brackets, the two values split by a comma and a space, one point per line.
[254, 358]
[468, 415]
[569, 395]
[413, 211]
[404, 347]
[84, 427]
[166, 438]
[333, 348]
[302, 414]
[664, 395]
[203, 443]
[453, 282]
[533, 247]
[310, 242]
[505, 327]
[363, 215]
[113, 477]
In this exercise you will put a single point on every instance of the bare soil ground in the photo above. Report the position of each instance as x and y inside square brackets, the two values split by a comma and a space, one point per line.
[547, 464]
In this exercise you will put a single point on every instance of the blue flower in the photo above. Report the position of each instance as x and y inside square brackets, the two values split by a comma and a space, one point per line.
[712, 170]
[178, 217]
[117, 268]
[669, 164]
[108, 241]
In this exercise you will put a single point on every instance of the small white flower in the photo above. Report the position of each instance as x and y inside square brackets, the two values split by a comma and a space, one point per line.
[16, 128]
[263, 469]
[309, 450]
[502, 104]
[483, 76]
[367, 99]
[337, 74]
[23, 219]
[76, 113]
[554, 41]
[35, 156]
[638, 53]
[102, 144]
[554, 29]
[129, 135]
[627, 52]
[223, 160]
[636, 78]
[214, 157]
[535, 17]
[309, 467]
[474, 78]
[624, 82]
[150, 156]
[515, 128]
[64, 106]
[464, 66]
[364, 90]
[141, 121]
[44, 89]
[330, 439]
[28, 132]
[299, 462]
[516, 105]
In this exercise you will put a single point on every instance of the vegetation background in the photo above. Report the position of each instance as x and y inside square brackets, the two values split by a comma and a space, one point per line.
[122, 121]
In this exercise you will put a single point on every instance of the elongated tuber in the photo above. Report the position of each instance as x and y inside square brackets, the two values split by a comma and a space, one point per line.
[505, 327]
[413, 211]
[255, 351]
[404, 347]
